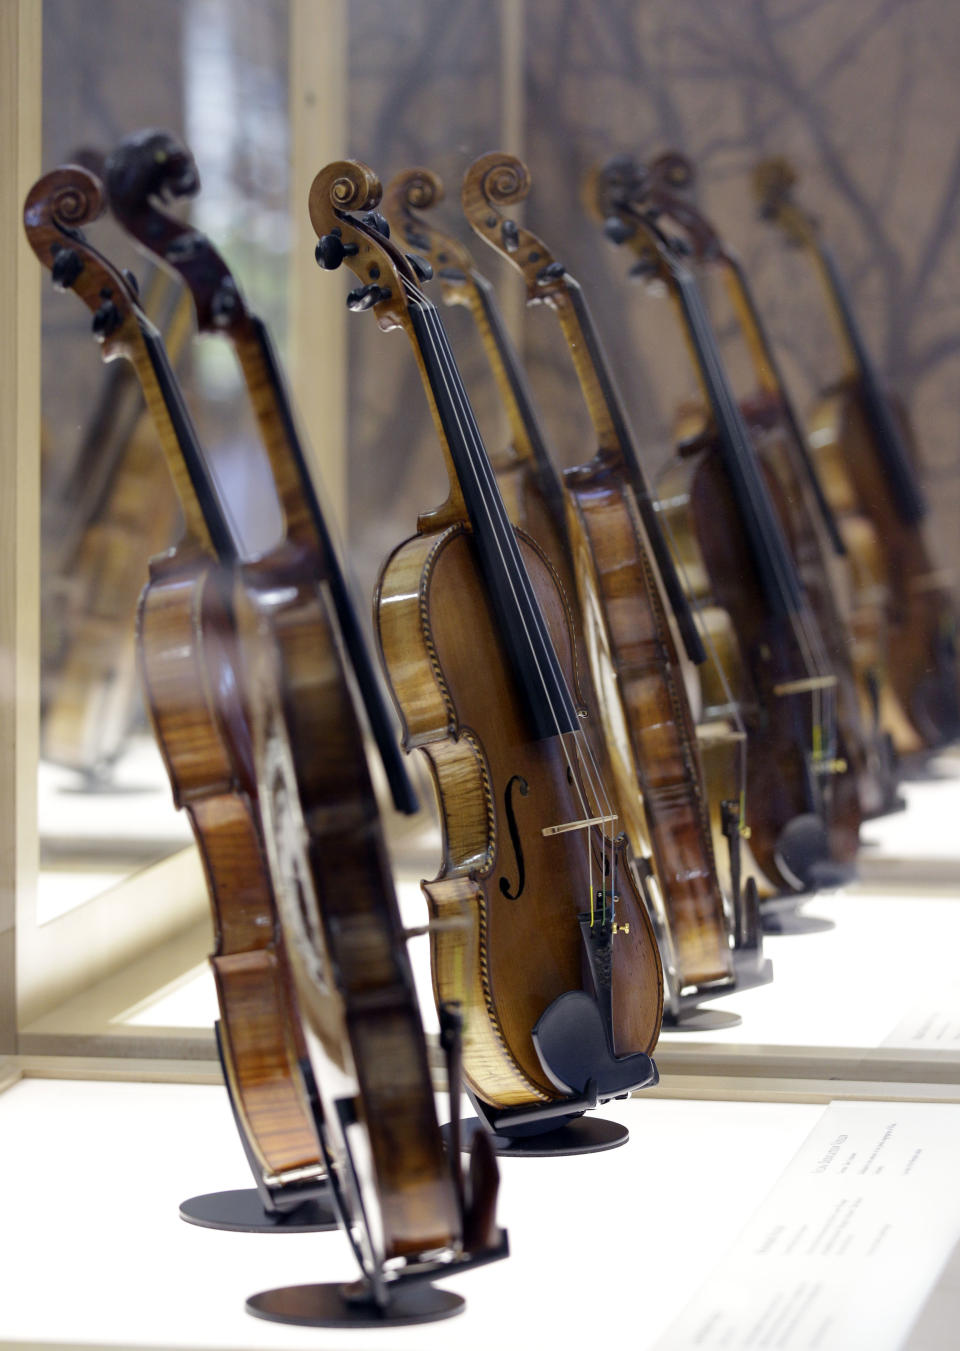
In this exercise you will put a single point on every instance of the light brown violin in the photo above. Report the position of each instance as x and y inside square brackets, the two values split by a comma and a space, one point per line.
[564, 984]
[865, 449]
[620, 618]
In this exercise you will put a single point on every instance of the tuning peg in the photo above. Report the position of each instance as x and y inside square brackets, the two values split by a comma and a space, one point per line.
[67, 266]
[551, 272]
[423, 269]
[225, 302]
[131, 280]
[331, 250]
[643, 269]
[364, 297]
[618, 231]
[106, 320]
[377, 221]
[679, 246]
[510, 236]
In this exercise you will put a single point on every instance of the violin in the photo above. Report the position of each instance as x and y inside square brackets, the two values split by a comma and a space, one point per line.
[478, 644]
[645, 715]
[187, 651]
[312, 692]
[867, 454]
[811, 526]
[113, 512]
[720, 504]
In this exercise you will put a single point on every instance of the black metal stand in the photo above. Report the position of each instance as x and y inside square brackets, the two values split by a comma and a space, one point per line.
[304, 1208]
[582, 1135]
[243, 1212]
[344, 1306]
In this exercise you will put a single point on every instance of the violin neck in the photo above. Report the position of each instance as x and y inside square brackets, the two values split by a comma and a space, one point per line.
[615, 441]
[888, 439]
[761, 525]
[527, 434]
[771, 379]
[203, 513]
[306, 524]
[522, 627]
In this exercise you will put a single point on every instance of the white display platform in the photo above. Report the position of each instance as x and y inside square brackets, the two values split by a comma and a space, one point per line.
[921, 845]
[609, 1247]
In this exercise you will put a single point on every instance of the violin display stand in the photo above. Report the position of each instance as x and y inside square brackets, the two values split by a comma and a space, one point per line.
[572, 1040]
[252, 1210]
[576, 1135]
[353, 1306]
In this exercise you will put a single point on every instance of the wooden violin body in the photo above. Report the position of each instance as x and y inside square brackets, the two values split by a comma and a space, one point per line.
[901, 597]
[698, 500]
[499, 790]
[188, 652]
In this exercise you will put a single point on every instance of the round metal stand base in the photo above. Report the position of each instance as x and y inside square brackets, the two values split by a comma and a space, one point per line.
[583, 1135]
[243, 1213]
[701, 1020]
[795, 922]
[333, 1306]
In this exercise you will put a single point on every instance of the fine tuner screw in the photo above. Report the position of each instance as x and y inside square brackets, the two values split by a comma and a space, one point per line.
[364, 297]
[67, 266]
[331, 250]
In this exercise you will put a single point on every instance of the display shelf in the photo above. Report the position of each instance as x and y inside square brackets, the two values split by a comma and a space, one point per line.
[920, 846]
[614, 1233]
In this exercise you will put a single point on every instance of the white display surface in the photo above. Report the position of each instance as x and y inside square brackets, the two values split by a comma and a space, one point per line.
[850, 985]
[609, 1245]
[844, 1250]
[641, 1247]
[922, 843]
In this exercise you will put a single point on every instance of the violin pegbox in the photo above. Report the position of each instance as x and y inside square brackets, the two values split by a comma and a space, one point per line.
[57, 207]
[773, 183]
[497, 180]
[343, 210]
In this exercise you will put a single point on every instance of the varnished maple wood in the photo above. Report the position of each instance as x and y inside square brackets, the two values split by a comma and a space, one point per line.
[650, 730]
[919, 697]
[461, 705]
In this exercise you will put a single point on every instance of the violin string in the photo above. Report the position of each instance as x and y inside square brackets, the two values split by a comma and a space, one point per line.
[807, 635]
[492, 502]
[492, 495]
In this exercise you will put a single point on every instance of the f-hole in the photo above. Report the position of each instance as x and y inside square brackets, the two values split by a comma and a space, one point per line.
[524, 788]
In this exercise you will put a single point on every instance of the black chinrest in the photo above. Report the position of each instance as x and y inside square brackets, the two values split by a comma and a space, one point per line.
[571, 1042]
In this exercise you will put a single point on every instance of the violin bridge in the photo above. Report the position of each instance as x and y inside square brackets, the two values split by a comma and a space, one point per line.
[806, 686]
[578, 825]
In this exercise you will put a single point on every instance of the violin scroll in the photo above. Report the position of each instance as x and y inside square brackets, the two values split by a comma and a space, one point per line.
[149, 164]
[410, 192]
[773, 183]
[362, 241]
[57, 206]
[499, 179]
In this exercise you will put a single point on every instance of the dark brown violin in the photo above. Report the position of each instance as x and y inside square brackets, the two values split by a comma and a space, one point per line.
[810, 525]
[621, 624]
[564, 985]
[720, 504]
[311, 690]
[866, 453]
